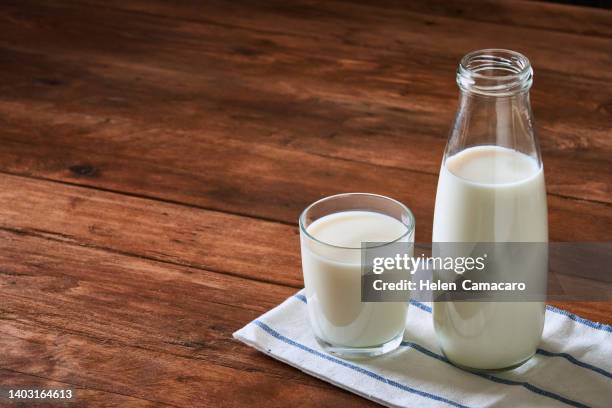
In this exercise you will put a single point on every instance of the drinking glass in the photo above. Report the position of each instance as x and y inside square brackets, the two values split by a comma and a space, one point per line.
[341, 322]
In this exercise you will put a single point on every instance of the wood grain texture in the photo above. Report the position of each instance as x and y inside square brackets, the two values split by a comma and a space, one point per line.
[155, 156]
[19, 380]
[137, 327]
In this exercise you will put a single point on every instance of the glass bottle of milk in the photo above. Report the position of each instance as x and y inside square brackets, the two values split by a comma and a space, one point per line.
[491, 189]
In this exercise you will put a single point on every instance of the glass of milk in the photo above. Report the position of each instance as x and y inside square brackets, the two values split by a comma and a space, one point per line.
[491, 189]
[332, 231]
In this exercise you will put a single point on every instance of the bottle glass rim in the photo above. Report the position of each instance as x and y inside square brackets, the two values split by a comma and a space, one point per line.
[494, 72]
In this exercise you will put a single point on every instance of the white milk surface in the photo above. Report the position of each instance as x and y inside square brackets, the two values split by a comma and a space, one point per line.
[332, 277]
[490, 194]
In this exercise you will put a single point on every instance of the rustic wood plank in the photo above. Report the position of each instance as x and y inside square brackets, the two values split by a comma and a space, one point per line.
[249, 171]
[584, 21]
[169, 380]
[264, 251]
[152, 331]
[17, 380]
[385, 31]
[364, 136]
[359, 129]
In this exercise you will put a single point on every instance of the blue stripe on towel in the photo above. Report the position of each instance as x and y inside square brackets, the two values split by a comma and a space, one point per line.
[493, 378]
[358, 369]
[594, 325]
[574, 360]
[420, 305]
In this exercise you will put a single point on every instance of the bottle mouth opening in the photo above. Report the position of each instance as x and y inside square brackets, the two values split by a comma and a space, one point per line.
[494, 72]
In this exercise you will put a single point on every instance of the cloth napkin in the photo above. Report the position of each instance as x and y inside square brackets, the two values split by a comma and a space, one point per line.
[572, 367]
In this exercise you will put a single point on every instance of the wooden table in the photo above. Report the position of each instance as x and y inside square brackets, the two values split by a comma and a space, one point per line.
[154, 158]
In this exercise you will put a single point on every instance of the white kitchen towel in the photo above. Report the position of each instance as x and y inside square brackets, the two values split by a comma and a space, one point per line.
[572, 367]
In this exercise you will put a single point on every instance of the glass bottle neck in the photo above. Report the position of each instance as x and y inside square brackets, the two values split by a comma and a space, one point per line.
[494, 107]
[505, 121]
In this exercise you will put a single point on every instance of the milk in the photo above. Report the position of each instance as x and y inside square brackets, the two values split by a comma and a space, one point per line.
[332, 277]
[490, 194]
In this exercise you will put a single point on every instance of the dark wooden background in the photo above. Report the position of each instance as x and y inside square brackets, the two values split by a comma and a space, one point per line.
[154, 158]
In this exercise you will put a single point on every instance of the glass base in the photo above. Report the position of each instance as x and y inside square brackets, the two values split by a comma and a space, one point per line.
[356, 353]
[487, 370]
